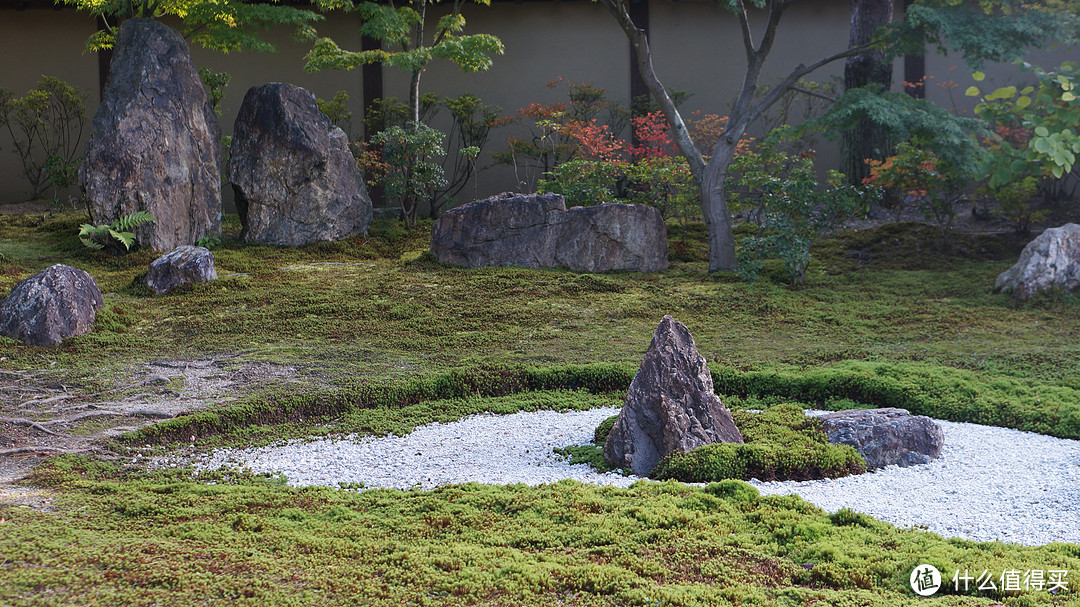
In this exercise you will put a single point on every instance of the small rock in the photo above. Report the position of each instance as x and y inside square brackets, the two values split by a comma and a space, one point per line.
[1051, 260]
[670, 406]
[183, 265]
[885, 436]
[50, 306]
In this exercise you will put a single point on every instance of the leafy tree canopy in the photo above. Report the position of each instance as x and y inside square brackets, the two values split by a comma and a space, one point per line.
[397, 27]
[988, 30]
[223, 25]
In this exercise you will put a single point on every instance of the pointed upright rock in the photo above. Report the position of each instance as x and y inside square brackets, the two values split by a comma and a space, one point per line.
[155, 144]
[670, 405]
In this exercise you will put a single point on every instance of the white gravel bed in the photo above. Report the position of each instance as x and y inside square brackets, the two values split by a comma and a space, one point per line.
[489, 449]
[989, 484]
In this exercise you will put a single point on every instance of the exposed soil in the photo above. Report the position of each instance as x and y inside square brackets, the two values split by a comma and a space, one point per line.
[40, 415]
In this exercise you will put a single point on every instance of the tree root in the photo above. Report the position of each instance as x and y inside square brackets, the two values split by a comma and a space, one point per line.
[26, 422]
[20, 450]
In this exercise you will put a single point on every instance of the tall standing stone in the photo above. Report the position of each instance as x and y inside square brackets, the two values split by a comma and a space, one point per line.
[155, 144]
[296, 182]
[670, 406]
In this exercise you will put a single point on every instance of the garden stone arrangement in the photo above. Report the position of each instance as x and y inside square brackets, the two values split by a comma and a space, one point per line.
[670, 406]
[50, 306]
[183, 265]
[538, 231]
[1051, 260]
[156, 143]
[296, 182]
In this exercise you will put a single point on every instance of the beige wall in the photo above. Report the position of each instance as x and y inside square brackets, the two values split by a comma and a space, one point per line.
[697, 48]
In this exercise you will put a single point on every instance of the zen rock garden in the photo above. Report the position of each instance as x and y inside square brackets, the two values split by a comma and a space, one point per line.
[372, 382]
[671, 408]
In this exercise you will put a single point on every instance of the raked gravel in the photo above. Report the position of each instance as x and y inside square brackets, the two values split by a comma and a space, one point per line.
[989, 483]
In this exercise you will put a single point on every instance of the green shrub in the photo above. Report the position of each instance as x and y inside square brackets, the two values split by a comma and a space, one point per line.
[782, 443]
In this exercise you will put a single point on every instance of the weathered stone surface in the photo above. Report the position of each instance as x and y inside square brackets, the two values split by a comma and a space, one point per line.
[155, 144]
[536, 230]
[296, 182]
[885, 436]
[183, 265]
[51, 306]
[670, 405]
[1051, 260]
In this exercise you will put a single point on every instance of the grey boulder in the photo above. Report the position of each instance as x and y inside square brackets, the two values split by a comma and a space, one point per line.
[885, 436]
[295, 180]
[50, 306]
[155, 143]
[536, 230]
[183, 265]
[670, 406]
[1051, 260]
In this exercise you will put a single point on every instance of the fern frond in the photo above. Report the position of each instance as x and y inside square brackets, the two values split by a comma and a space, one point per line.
[125, 238]
[131, 221]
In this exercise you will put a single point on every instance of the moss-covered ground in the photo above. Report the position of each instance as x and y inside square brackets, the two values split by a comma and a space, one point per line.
[383, 338]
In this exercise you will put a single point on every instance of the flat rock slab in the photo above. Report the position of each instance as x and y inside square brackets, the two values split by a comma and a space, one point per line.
[155, 142]
[295, 180]
[537, 231]
[50, 306]
[885, 437]
[183, 265]
[1051, 260]
[670, 406]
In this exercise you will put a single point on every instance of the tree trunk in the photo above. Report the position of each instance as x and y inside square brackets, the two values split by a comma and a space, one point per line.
[865, 140]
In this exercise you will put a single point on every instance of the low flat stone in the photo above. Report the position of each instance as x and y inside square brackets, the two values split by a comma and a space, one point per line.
[1051, 260]
[885, 436]
[537, 231]
[50, 306]
[670, 406]
[183, 265]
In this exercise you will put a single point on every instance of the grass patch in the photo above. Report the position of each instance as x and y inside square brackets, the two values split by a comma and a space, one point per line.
[126, 537]
[391, 339]
[935, 391]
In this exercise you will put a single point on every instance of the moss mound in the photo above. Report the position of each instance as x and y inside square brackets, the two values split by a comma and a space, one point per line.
[782, 443]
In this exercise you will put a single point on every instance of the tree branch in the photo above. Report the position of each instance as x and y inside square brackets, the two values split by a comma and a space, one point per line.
[788, 83]
[640, 43]
[747, 34]
[809, 93]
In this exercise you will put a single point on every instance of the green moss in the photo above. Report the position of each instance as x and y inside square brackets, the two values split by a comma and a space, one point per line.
[781, 444]
[172, 539]
[932, 390]
[603, 430]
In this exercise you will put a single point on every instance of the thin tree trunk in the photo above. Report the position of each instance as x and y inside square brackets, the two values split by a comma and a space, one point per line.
[711, 178]
[865, 141]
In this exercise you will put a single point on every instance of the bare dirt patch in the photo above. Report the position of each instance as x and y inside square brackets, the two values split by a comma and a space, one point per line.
[40, 415]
